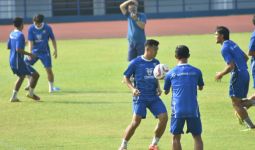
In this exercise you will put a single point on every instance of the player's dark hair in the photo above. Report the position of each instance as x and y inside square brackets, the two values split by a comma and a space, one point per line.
[182, 51]
[133, 3]
[223, 31]
[38, 18]
[17, 22]
[151, 42]
[253, 20]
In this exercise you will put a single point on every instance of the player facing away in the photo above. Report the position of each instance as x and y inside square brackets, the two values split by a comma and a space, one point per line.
[146, 94]
[136, 26]
[252, 54]
[16, 44]
[38, 37]
[184, 80]
[236, 61]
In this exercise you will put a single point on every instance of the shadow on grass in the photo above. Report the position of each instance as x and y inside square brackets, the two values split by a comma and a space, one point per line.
[88, 102]
[63, 92]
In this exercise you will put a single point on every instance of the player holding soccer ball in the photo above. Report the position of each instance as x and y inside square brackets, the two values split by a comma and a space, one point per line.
[236, 61]
[145, 94]
[184, 80]
[38, 36]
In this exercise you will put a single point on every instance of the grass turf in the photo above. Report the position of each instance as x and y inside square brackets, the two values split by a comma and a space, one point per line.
[94, 107]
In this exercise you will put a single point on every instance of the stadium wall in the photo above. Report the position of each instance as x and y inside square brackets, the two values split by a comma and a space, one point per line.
[105, 10]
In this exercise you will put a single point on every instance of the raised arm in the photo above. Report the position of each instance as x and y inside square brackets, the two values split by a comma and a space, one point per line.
[123, 6]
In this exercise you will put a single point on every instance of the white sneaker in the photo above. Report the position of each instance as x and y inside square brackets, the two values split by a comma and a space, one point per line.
[54, 89]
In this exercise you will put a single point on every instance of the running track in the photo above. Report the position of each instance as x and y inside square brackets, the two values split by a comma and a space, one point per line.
[154, 27]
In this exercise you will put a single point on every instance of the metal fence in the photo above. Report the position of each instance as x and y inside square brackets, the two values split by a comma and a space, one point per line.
[94, 8]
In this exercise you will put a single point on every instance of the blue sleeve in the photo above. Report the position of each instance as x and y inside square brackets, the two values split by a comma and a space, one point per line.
[227, 55]
[167, 84]
[200, 79]
[130, 70]
[9, 44]
[252, 44]
[20, 42]
[51, 34]
[143, 18]
[30, 34]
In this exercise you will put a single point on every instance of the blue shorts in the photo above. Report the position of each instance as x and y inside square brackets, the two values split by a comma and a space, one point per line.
[45, 58]
[253, 70]
[239, 84]
[153, 103]
[23, 70]
[194, 126]
[135, 49]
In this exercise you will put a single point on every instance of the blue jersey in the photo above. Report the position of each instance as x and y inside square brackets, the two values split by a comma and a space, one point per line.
[135, 33]
[40, 38]
[184, 80]
[232, 53]
[252, 42]
[252, 49]
[142, 70]
[16, 41]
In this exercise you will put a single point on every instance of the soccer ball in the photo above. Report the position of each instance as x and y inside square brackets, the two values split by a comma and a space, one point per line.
[160, 71]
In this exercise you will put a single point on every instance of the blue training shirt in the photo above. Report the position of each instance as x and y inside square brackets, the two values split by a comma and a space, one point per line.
[135, 33]
[40, 38]
[16, 41]
[231, 52]
[184, 80]
[142, 70]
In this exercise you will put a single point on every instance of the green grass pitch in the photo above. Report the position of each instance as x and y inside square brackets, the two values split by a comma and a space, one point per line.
[94, 107]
